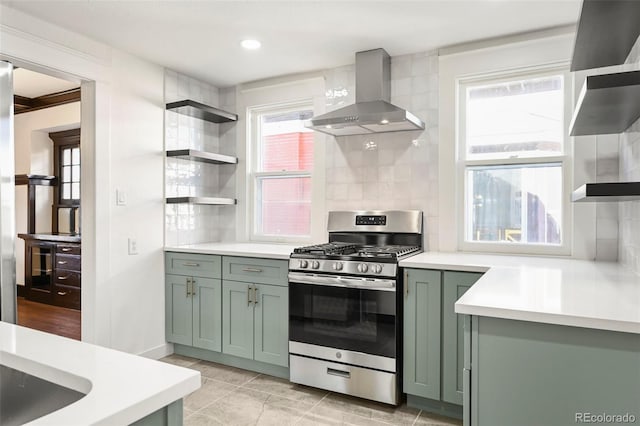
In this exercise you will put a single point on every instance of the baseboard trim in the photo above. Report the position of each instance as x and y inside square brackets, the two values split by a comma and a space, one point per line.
[233, 361]
[158, 352]
[436, 407]
[21, 291]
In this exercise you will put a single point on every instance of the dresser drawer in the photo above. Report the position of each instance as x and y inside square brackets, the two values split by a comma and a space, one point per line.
[66, 296]
[70, 278]
[254, 270]
[196, 265]
[68, 249]
[68, 261]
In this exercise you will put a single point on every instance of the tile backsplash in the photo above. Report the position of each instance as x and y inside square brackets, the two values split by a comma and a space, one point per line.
[629, 215]
[388, 170]
[187, 223]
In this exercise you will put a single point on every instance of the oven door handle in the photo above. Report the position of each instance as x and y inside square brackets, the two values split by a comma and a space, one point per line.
[338, 281]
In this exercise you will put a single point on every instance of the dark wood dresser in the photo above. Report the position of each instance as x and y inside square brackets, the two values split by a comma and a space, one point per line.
[52, 269]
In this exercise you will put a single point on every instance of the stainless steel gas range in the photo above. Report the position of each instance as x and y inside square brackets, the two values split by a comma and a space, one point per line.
[345, 313]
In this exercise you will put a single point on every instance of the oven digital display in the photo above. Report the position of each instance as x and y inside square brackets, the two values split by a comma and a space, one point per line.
[371, 220]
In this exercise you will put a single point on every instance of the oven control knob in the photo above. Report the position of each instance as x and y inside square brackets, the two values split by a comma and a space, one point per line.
[337, 266]
[302, 263]
[363, 267]
[376, 269]
[315, 264]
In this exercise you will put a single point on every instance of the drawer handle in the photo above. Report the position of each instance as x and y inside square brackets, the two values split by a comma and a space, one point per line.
[252, 270]
[62, 293]
[66, 249]
[339, 373]
[66, 277]
[192, 264]
[62, 262]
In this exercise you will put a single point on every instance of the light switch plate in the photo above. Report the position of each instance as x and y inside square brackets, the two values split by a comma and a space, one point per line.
[121, 197]
[133, 246]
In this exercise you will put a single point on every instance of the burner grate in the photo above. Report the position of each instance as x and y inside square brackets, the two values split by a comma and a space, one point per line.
[328, 249]
[388, 251]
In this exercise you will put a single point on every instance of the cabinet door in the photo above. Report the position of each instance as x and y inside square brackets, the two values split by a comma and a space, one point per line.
[271, 341]
[237, 319]
[178, 309]
[455, 284]
[422, 294]
[207, 314]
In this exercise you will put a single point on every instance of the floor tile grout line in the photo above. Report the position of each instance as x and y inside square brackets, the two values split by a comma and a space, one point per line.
[311, 409]
[417, 417]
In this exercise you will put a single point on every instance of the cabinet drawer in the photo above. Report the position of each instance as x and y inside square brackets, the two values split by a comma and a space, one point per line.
[68, 261]
[68, 249]
[70, 278]
[66, 296]
[247, 269]
[196, 265]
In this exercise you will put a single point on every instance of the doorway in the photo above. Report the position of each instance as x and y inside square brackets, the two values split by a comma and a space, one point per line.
[47, 206]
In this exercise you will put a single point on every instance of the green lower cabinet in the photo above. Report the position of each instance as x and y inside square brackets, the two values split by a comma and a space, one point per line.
[271, 340]
[455, 284]
[237, 319]
[422, 301]
[193, 311]
[255, 320]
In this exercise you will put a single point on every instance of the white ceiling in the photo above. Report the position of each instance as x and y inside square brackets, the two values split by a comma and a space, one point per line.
[33, 84]
[201, 38]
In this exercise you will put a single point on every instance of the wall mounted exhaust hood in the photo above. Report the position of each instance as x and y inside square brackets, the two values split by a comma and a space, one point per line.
[372, 112]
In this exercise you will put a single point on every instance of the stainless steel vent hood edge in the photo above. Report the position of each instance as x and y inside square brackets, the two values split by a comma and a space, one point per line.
[372, 112]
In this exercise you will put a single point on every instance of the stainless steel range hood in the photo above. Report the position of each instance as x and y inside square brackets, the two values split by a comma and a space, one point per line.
[372, 112]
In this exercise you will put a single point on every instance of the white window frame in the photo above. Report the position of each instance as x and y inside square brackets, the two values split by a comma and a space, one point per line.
[564, 158]
[253, 113]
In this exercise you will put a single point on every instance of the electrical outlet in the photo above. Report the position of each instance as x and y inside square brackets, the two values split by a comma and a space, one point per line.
[121, 197]
[133, 246]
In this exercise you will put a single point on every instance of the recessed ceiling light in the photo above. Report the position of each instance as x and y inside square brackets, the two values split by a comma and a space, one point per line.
[251, 44]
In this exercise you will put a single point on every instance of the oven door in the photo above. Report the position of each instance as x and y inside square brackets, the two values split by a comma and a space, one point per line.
[349, 313]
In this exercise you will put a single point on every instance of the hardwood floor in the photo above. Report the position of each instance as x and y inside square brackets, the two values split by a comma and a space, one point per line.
[52, 319]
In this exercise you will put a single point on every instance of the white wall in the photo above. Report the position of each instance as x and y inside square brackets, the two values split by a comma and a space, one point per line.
[122, 147]
[34, 155]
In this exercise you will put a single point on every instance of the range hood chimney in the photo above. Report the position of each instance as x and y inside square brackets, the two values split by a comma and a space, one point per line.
[372, 112]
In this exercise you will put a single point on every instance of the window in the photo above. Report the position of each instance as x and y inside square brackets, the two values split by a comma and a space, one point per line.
[281, 172]
[512, 132]
[66, 163]
[69, 174]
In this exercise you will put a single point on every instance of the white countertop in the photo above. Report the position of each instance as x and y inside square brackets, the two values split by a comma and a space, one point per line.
[120, 388]
[601, 295]
[267, 251]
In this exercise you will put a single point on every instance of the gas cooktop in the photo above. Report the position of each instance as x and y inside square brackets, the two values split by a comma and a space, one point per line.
[354, 251]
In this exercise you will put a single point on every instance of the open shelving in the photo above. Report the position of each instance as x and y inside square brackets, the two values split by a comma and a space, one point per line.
[212, 201]
[202, 156]
[201, 111]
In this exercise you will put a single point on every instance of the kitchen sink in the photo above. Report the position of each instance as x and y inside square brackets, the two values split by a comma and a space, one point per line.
[24, 397]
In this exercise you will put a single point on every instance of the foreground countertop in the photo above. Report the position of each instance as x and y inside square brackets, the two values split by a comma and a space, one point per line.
[266, 251]
[601, 295]
[120, 388]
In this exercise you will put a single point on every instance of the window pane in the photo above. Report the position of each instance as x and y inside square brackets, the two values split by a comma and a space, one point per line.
[76, 174]
[284, 206]
[514, 204]
[75, 156]
[66, 157]
[75, 191]
[66, 191]
[285, 144]
[66, 174]
[517, 117]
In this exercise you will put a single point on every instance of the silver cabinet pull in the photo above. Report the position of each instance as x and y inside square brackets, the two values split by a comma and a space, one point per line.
[62, 293]
[249, 296]
[339, 373]
[255, 295]
[252, 270]
[66, 249]
[62, 262]
[193, 286]
[63, 278]
[406, 283]
[188, 287]
[192, 264]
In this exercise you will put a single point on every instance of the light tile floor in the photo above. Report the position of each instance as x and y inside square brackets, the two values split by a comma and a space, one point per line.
[231, 396]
